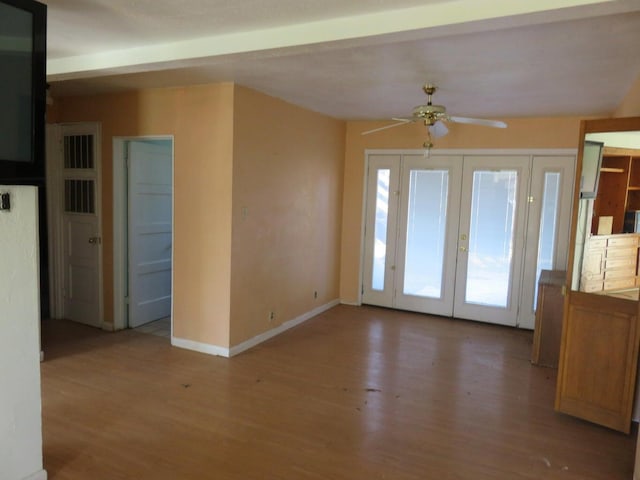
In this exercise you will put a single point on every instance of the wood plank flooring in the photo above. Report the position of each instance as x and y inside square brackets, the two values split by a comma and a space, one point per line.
[355, 393]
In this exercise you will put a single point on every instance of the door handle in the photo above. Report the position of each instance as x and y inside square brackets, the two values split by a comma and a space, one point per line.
[94, 240]
[463, 249]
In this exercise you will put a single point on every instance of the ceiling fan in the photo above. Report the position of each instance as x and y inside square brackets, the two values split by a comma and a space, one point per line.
[435, 116]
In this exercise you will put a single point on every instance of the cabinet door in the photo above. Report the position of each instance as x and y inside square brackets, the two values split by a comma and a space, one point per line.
[598, 360]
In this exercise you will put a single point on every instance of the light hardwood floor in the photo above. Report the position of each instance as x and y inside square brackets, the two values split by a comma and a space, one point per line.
[355, 393]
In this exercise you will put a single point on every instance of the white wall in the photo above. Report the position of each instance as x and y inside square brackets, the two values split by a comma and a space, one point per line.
[616, 139]
[20, 407]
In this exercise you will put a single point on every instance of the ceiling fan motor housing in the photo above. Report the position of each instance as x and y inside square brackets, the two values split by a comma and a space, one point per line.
[429, 113]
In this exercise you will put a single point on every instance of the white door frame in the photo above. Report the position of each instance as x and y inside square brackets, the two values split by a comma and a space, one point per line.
[120, 231]
[461, 152]
[55, 188]
[565, 166]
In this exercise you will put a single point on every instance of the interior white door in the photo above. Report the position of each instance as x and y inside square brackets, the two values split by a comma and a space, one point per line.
[81, 226]
[491, 238]
[150, 231]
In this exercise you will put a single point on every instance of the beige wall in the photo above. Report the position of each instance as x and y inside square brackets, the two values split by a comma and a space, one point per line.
[236, 151]
[287, 208]
[201, 120]
[630, 106]
[521, 133]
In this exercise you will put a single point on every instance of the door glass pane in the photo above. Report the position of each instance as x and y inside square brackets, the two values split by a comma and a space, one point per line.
[426, 227]
[380, 230]
[493, 208]
[548, 225]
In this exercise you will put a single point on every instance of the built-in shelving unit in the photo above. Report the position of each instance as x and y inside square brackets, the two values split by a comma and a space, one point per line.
[618, 188]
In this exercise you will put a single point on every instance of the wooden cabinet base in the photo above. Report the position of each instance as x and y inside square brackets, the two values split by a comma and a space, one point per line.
[548, 327]
[598, 361]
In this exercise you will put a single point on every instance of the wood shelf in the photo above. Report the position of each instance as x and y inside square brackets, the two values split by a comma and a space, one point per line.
[618, 187]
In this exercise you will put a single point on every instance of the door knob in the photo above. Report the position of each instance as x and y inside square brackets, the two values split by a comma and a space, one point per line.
[94, 240]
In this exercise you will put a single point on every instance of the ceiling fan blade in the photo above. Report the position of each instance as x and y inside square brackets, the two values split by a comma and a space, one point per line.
[478, 121]
[401, 121]
[438, 129]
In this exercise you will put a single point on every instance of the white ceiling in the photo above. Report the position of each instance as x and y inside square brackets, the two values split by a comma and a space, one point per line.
[358, 59]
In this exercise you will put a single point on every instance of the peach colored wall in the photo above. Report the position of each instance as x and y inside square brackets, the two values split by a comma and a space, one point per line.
[201, 120]
[630, 106]
[521, 133]
[287, 207]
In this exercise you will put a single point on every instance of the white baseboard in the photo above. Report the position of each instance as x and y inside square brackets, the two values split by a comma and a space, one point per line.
[353, 304]
[252, 342]
[107, 327]
[40, 475]
[200, 347]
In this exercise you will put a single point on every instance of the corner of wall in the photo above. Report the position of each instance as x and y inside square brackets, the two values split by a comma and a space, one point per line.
[630, 105]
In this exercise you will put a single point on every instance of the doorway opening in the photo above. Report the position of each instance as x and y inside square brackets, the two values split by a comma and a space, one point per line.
[143, 233]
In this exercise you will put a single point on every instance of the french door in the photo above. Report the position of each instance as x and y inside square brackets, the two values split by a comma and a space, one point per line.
[448, 234]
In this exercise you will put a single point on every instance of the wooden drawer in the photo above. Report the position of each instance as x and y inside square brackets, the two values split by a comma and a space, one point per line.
[620, 273]
[626, 241]
[620, 262]
[620, 283]
[596, 243]
[618, 252]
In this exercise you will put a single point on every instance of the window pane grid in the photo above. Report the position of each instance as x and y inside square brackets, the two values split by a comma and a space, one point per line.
[78, 152]
[79, 196]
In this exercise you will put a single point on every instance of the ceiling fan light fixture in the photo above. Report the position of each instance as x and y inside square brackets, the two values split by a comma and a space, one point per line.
[436, 115]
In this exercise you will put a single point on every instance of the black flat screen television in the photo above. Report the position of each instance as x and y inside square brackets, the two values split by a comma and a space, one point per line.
[22, 89]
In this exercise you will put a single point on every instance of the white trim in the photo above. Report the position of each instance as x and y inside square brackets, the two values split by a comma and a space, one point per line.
[120, 192]
[119, 236]
[252, 342]
[399, 23]
[107, 327]
[54, 219]
[363, 224]
[199, 347]
[353, 304]
[39, 475]
[474, 151]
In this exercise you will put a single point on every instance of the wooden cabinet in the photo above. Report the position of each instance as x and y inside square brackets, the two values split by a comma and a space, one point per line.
[548, 327]
[618, 187]
[610, 262]
[598, 364]
[598, 359]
